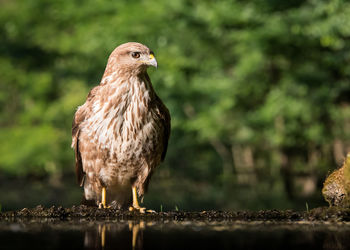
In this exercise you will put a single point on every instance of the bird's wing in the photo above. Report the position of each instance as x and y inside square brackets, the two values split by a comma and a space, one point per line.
[165, 119]
[83, 113]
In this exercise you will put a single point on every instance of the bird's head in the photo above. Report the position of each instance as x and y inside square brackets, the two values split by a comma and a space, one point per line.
[132, 57]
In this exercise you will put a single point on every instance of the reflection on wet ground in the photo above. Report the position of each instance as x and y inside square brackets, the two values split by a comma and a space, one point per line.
[119, 234]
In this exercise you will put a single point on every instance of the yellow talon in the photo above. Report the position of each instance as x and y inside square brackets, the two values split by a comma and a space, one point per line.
[135, 203]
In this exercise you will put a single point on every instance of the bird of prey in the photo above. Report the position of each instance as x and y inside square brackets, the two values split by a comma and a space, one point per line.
[120, 134]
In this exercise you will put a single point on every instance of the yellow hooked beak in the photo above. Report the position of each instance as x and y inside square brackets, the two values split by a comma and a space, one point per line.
[152, 61]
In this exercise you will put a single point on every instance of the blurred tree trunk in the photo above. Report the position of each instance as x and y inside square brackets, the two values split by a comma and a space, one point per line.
[225, 154]
[339, 151]
[244, 164]
[287, 174]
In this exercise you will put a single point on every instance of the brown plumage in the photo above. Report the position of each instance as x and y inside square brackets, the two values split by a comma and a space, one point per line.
[120, 134]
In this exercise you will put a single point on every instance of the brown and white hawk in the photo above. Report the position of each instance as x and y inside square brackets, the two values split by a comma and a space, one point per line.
[120, 134]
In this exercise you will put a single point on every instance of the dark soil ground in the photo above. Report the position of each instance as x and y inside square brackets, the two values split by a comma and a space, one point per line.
[332, 214]
[82, 227]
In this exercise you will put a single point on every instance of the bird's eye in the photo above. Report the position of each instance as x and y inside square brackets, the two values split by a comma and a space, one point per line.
[135, 54]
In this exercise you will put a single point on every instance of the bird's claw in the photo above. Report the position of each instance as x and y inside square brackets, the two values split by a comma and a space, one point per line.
[101, 205]
[141, 210]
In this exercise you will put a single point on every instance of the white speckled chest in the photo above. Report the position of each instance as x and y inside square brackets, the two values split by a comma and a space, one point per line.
[125, 128]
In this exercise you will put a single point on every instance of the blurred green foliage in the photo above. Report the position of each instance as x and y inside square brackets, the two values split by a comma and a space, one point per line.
[258, 91]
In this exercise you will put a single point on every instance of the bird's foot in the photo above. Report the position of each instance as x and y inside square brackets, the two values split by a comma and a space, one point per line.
[135, 204]
[101, 205]
[141, 210]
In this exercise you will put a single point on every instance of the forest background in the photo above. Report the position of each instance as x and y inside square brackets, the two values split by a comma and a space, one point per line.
[258, 91]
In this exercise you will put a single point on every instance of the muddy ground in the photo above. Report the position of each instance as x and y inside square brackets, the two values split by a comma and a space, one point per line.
[92, 213]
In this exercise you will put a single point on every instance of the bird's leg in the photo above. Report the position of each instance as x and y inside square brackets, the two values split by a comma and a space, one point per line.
[135, 203]
[103, 202]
